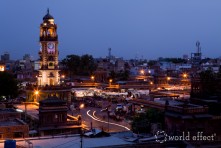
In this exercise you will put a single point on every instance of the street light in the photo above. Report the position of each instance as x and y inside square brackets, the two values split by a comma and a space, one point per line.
[185, 79]
[82, 106]
[110, 81]
[184, 75]
[142, 72]
[168, 79]
[92, 78]
[36, 95]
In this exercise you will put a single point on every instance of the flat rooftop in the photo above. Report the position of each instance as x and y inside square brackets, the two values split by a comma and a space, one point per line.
[72, 142]
[32, 109]
[11, 123]
[7, 110]
[173, 102]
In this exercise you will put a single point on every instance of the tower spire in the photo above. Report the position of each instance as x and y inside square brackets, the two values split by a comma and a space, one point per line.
[48, 10]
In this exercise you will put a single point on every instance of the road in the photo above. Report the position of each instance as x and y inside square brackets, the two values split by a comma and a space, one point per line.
[90, 115]
[98, 119]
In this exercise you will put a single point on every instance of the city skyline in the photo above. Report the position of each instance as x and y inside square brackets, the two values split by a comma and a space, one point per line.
[142, 29]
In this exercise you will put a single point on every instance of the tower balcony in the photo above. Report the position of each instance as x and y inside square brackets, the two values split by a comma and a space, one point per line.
[46, 67]
[48, 38]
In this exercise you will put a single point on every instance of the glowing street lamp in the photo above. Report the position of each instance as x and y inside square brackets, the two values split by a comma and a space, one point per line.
[142, 72]
[36, 95]
[184, 75]
[168, 79]
[110, 81]
[81, 106]
[63, 76]
[92, 78]
[151, 83]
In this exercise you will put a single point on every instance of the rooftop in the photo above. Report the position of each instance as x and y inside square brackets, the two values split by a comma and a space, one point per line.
[73, 141]
[7, 110]
[11, 122]
[48, 16]
[52, 100]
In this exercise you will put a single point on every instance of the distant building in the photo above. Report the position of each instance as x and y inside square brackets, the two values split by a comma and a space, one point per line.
[11, 125]
[196, 57]
[24, 69]
[185, 57]
[5, 57]
[27, 57]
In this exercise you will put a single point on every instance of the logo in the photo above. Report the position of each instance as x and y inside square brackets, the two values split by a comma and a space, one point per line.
[161, 136]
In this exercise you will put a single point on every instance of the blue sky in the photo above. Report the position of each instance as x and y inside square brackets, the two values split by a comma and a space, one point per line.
[144, 28]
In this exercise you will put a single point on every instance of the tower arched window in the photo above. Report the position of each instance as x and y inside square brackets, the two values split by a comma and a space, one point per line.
[50, 64]
[50, 58]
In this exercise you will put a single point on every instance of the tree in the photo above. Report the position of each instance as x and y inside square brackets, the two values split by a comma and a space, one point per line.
[71, 64]
[8, 85]
[76, 65]
[152, 63]
[142, 122]
[113, 75]
[88, 65]
[123, 75]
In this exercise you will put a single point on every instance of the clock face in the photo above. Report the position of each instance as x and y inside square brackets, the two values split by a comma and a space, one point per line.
[51, 45]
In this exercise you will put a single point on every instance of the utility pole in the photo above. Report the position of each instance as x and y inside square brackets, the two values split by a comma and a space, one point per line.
[108, 117]
[25, 111]
[81, 139]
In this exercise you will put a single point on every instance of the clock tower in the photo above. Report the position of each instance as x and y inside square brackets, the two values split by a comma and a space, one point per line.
[49, 70]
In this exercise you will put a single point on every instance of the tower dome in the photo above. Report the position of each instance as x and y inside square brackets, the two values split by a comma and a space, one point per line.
[48, 16]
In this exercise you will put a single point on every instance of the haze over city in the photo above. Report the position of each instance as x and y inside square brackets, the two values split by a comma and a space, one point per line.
[143, 29]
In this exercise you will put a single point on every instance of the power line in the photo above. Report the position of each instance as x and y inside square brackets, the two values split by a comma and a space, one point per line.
[70, 145]
[64, 143]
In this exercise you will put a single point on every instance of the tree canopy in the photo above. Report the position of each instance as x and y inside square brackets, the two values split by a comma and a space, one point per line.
[8, 85]
[142, 122]
[79, 65]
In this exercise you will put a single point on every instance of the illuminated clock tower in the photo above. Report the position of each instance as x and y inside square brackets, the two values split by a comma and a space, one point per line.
[49, 70]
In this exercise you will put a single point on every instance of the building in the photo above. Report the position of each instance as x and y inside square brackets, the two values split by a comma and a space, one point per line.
[192, 119]
[196, 57]
[53, 118]
[5, 57]
[24, 69]
[48, 78]
[49, 70]
[11, 125]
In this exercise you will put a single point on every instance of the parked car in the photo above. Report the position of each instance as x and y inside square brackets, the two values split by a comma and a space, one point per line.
[119, 107]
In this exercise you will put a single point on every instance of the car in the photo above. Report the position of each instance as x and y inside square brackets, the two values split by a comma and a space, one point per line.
[119, 107]
[140, 111]
[104, 109]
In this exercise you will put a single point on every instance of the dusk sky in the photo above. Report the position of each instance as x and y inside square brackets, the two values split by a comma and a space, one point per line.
[143, 28]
